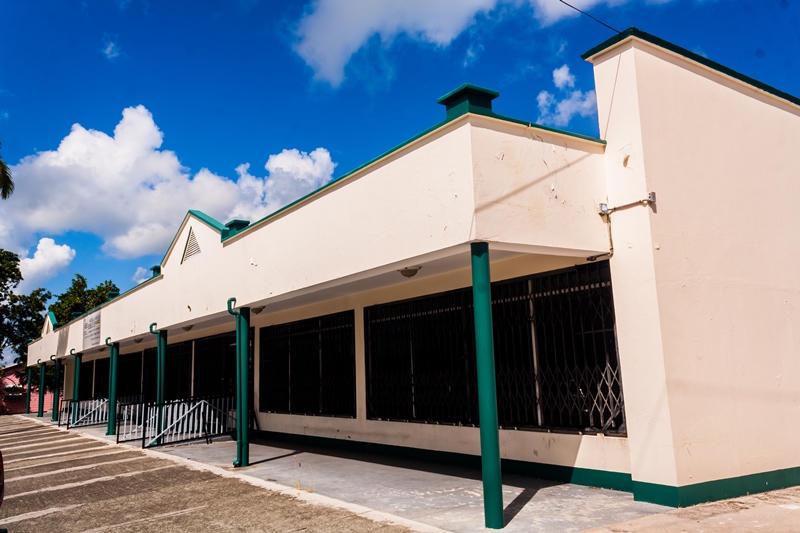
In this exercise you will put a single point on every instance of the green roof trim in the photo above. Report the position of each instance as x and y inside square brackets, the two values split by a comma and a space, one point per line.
[652, 39]
[214, 223]
[478, 102]
[95, 308]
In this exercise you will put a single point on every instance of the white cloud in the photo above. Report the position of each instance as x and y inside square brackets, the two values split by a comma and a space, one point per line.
[331, 31]
[111, 50]
[562, 77]
[472, 55]
[128, 191]
[548, 12]
[48, 260]
[292, 174]
[141, 274]
[560, 112]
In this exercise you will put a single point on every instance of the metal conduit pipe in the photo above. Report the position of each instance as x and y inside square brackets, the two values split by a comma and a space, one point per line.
[41, 388]
[242, 383]
[112, 386]
[56, 387]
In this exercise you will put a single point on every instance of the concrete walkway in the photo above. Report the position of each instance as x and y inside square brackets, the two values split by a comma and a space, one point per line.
[450, 498]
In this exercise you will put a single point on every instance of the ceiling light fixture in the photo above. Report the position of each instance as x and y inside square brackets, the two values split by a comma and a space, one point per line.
[409, 272]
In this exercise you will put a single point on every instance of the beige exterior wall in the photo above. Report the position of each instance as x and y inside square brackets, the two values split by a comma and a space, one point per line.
[422, 205]
[717, 268]
[538, 188]
[639, 337]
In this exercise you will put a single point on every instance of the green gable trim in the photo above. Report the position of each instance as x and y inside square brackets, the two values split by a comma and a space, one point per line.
[652, 39]
[199, 215]
[52, 318]
[720, 489]
[217, 225]
[562, 474]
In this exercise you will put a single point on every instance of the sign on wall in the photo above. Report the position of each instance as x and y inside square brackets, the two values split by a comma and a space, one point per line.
[91, 330]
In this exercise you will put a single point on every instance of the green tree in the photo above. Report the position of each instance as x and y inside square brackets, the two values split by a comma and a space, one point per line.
[78, 298]
[21, 315]
[6, 183]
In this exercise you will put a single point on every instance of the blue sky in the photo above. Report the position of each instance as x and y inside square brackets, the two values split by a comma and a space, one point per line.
[118, 116]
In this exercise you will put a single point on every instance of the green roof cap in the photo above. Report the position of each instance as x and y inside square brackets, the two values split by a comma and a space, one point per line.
[468, 98]
[233, 227]
[652, 39]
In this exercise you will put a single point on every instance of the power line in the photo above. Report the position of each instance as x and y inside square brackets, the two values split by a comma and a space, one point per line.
[588, 15]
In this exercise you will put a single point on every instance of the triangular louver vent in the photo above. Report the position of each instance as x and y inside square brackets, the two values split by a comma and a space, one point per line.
[192, 248]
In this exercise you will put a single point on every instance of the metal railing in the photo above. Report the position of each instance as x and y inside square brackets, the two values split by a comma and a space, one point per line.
[93, 412]
[176, 421]
[64, 412]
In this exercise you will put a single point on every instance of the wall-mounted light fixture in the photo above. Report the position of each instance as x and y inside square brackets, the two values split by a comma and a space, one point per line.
[188, 328]
[257, 310]
[138, 340]
[409, 272]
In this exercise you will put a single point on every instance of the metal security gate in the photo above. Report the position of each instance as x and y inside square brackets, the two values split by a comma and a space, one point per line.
[555, 355]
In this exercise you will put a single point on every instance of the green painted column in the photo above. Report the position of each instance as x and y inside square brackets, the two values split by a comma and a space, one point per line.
[487, 388]
[56, 388]
[243, 349]
[242, 318]
[112, 387]
[76, 386]
[41, 389]
[161, 366]
[28, 391]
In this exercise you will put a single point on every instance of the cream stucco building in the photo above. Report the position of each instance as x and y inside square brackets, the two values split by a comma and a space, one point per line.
[645, 302]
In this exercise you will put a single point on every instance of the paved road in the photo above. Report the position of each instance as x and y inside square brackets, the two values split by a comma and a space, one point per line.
[61, 482]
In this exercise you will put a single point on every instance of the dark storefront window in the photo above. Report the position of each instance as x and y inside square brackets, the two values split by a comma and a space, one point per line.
[129, 377]
[178, 371]
[308, 367]
[150, 378]
[101, 367]
[215, 365]
[87, 380]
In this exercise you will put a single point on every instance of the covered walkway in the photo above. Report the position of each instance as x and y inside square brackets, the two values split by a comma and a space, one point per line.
[448, 497]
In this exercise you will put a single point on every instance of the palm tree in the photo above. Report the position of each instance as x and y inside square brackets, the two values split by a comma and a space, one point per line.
[6, 183]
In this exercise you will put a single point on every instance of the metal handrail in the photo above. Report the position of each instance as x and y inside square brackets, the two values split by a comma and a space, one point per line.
[186, 419]
[92, 417]
[185, 416]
